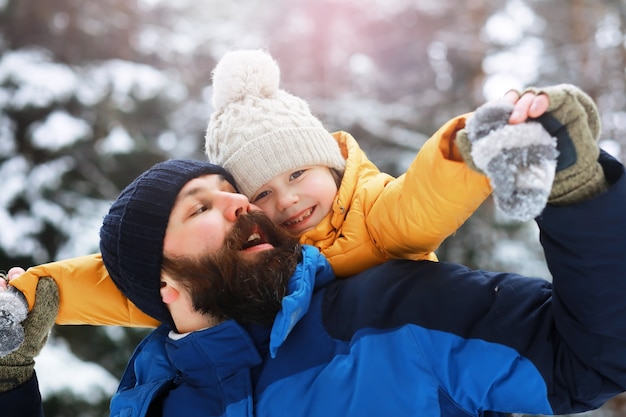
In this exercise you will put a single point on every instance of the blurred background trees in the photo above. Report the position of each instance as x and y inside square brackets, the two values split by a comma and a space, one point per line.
[93, 93]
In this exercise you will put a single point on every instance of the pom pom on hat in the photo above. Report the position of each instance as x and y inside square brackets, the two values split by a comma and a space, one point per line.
[244, 73]
[132, 233]
[258, 131]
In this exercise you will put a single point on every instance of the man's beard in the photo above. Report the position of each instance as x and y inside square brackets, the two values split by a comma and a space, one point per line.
[227, 286]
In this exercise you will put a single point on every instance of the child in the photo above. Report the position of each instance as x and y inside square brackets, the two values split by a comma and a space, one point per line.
[322, 187]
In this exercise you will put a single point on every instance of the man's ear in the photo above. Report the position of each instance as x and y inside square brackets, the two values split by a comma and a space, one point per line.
[169, 290]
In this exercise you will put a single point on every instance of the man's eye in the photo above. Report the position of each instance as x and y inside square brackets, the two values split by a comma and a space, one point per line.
[296, 174]
[199, 210]
[261, 196]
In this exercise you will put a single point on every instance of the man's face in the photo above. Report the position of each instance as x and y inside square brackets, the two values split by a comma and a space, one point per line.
[233, 260]
[203, 214]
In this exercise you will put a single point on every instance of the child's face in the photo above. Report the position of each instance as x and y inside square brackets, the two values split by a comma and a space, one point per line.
[298, 200]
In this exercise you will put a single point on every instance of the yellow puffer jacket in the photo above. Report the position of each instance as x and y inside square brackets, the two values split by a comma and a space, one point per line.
[375, 217]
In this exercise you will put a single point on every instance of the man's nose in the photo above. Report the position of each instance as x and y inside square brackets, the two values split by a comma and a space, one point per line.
[235, 205]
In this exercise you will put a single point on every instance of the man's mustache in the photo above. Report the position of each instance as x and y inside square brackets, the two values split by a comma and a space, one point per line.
[252, 229]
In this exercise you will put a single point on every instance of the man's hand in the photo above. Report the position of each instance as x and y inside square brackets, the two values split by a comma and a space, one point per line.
[14, 272]
[573, 119]
[17, 367]
[530, 105]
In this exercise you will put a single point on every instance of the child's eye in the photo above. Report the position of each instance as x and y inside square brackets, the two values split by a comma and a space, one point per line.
[260, 196]
[296, 174]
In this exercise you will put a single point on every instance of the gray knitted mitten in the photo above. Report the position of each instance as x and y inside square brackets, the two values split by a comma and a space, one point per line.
[13, 311]
[519, 160]
[21, 342]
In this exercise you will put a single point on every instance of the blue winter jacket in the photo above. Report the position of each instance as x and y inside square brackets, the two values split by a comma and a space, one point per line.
[415, 338]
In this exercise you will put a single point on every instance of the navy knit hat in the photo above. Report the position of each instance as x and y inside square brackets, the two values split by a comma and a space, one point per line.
[132, 233]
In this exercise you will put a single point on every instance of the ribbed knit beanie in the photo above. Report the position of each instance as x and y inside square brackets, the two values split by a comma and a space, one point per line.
[258, 131]
[132, 233]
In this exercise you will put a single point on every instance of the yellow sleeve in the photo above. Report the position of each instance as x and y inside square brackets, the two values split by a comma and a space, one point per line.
[417, 211]
[87, 295]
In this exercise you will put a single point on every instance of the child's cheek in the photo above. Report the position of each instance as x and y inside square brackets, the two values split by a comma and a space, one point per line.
[269, 208]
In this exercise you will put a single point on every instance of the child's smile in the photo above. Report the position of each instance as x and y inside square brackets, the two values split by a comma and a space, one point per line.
[300, 221]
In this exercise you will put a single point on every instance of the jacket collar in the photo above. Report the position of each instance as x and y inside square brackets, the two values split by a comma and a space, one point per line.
[218, 363]
[312, 272]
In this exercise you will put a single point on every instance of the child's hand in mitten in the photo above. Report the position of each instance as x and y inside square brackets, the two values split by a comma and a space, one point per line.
[13, 311]
[519, 159]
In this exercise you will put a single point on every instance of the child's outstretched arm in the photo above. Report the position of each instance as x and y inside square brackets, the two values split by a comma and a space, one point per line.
[418, 210]
[87, 293]
[439, 191]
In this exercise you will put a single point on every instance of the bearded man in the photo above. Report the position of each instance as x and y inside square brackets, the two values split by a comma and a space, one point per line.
[274, 334]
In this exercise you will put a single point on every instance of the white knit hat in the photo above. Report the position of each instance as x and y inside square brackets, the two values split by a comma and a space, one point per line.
[258, 131]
